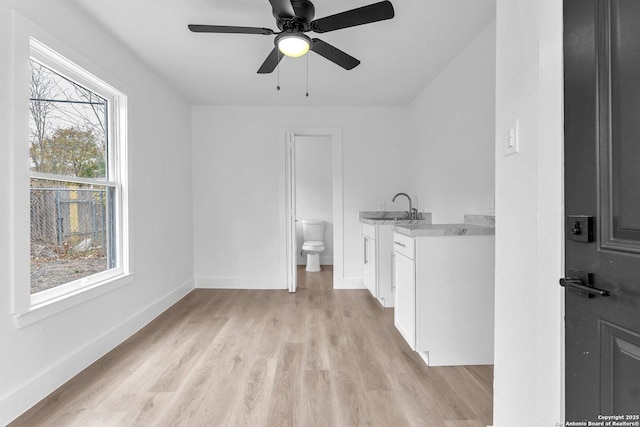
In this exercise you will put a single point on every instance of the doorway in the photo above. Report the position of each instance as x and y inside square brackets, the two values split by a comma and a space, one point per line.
[312, 138]
[313, 161]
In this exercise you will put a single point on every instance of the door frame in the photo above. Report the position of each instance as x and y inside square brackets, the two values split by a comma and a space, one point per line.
[286, 136]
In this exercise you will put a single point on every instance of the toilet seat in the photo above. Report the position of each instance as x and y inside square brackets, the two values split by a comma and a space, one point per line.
[313, 245]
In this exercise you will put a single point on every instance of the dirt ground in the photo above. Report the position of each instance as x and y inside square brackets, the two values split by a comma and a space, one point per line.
[51, 272]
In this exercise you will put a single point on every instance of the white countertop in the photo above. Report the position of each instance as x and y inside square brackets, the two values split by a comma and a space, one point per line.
[475, 225]
[393, 218]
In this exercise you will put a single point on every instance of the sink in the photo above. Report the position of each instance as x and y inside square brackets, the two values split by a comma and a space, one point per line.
[394, 217]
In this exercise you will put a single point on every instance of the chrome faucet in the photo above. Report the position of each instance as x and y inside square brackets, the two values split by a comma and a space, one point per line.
[413, 212]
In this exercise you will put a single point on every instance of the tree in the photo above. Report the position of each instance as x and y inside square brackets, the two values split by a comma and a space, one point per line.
[41, 89]
[67, 126]
[69, 151]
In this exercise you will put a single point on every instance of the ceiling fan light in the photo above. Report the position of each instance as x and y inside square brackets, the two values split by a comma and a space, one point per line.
[294, 45]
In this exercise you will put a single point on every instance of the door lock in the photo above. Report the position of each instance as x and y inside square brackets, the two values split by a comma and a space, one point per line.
[579, 228]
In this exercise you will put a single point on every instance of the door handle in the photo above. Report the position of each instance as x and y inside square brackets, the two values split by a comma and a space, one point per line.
[366, 261]
[576, 283]
[393, 271]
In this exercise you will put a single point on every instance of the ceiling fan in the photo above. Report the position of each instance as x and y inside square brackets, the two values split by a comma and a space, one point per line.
[294, 18]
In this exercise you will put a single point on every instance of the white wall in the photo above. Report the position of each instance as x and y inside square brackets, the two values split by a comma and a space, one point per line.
[236, 179]
[314, 190]
[453, 130]
[236, 193]
[529, 206]
[36, 359]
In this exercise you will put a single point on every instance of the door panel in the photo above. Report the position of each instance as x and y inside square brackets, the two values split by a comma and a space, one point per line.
[602, 179]
[620, 127]
[620, 369]
[405, 298]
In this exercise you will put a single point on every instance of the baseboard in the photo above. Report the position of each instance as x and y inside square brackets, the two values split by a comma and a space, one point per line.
[348, 283]
[323, 261]
[326, 260]
[20, 400]
[424, 355]
[241, 283]
[265, 283]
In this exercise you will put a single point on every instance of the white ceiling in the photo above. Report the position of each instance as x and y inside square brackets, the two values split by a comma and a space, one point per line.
[399, 56]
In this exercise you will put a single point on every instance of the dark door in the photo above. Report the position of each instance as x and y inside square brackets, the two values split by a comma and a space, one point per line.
[602, 181]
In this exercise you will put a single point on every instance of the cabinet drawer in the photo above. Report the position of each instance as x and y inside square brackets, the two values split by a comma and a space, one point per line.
[369, 230]
[404, 245]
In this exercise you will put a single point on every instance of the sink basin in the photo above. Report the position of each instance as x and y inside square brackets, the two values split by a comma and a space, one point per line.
[394, 217]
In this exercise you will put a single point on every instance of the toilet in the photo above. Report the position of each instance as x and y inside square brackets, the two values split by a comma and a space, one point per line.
[313, 243]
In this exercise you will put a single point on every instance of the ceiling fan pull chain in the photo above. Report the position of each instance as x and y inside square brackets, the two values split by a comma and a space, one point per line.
[307, 75]
[278, 87]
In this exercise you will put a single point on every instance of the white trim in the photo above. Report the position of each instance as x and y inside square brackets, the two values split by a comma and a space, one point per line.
[550, 263]
[74, 179]
[338, 208]
[46, 56]
[424, 355]
[325, 259]
[338, 201]
[25, 45]
[290, 209]
[348, 283]
[16, 402]
[40, 310]
[240, 283]
[57, 293]
[20, 239]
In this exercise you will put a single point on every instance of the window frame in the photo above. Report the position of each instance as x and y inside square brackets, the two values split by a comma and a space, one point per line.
[29, 308]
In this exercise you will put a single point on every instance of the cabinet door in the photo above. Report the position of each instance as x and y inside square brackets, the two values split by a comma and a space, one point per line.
[369, 264]
[404, 315]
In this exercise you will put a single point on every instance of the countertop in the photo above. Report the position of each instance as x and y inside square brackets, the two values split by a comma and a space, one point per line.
[393, 218]
[474, 225]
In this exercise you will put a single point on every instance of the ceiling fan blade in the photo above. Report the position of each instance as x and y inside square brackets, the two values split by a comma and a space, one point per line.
[225, 29]
[334, 54]
[351, 18]
[283, 8]
[271, 62]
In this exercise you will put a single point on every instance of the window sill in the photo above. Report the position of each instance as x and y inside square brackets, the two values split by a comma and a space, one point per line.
[55, 306]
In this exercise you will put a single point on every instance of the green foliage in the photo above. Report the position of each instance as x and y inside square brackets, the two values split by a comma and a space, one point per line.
[69, 151]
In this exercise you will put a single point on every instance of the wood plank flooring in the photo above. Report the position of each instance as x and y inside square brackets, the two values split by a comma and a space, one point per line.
[319, 357]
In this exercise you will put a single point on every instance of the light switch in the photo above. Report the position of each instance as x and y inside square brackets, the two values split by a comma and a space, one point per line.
[511, 141]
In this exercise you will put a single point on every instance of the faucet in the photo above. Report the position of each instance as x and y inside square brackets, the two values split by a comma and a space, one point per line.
[413, 212]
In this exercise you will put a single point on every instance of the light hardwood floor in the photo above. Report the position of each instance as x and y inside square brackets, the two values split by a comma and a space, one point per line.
[319, 357]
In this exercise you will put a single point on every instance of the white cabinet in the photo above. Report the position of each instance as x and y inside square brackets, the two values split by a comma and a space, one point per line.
[377, 253]
[445, 297]
[404, 315]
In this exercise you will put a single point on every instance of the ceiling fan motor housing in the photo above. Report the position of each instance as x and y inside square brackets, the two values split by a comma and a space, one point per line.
[305, 11]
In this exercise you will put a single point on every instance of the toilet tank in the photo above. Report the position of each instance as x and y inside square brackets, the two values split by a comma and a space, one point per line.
[312, 230]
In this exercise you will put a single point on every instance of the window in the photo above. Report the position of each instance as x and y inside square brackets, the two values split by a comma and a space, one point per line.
[77, 158]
